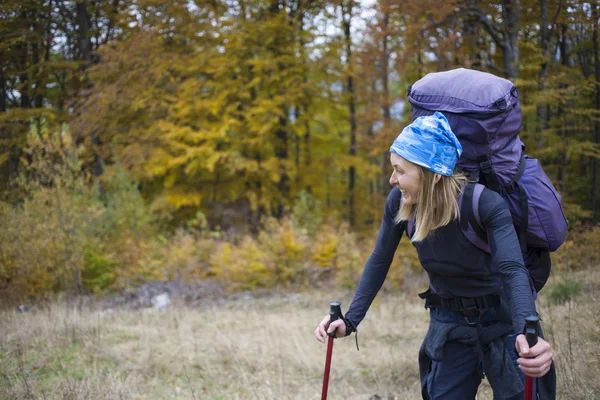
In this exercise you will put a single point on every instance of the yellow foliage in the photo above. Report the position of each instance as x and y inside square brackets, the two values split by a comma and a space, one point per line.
[287, 246]
[406, 263]
[407, 256]
[220, 259]
[326, 247]
[180, 197]
[242, 267]
[283, 254]
[351, 258]
[581, 250]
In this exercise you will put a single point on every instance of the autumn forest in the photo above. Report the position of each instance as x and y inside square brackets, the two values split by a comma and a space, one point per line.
[250, 136]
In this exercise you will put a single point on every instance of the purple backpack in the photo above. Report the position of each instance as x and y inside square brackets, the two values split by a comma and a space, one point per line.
[485, 115]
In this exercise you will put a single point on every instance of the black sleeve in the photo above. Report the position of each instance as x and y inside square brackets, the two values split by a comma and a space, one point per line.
[378, 265]
[507, 257]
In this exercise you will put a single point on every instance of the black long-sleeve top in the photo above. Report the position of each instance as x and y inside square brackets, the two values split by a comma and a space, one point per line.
[454, 265]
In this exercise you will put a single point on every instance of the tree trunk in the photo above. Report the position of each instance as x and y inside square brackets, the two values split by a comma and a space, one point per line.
[470, 28]
[84, 43]
[562, 114]
[281, 134]
[347, 21]
[306, 99]
[2, 92]
[23, 77]
[420, 64]
[35, 58]
[387, 113]
[541, 123]
[5, 178]
[297, 145]
[281, 152]
[84, 40]
[511, 10]
[111, 20]
[597, 124]
[505, 35]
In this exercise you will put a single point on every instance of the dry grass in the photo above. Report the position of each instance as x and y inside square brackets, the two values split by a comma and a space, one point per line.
[254, 349]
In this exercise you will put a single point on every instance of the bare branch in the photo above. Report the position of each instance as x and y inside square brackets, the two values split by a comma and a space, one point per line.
[65, 12]
[495, 33]
[493, 67]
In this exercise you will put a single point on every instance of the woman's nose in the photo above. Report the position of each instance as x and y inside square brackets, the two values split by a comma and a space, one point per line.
[393, 180]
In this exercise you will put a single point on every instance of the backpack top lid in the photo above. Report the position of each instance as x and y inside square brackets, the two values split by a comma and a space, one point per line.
[483, 111]
[464, 91]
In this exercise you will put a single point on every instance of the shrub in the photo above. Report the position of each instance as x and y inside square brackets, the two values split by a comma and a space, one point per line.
[350, 259]
[581, 249]
[67, 234]
[325, 247]
[562, 292]
[306, 214]
[242, 267]
[98, 271]
[183, 257]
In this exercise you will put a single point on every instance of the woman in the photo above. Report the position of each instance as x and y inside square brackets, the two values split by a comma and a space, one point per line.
[477, 301]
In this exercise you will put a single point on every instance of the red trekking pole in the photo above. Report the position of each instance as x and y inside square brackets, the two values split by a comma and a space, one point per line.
[531, 333]
[335, 313]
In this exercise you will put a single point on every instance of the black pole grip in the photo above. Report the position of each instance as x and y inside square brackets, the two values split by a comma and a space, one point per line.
[335, 313]
[532, 324]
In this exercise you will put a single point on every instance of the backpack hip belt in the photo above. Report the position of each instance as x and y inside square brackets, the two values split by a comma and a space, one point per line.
[465, 306]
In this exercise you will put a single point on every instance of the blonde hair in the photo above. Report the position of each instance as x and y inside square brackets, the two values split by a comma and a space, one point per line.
[437, 204]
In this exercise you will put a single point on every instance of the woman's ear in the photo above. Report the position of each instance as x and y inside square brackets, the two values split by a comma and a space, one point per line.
[436, 178]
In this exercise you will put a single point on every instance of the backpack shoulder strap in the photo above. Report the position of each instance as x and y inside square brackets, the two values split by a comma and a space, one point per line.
[469, 211]
[410, 228]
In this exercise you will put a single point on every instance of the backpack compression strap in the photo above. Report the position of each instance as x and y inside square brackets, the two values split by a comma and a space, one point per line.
[491, 181]
[524, 203]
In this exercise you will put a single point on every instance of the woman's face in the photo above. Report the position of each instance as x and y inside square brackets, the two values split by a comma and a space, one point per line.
[406, 177]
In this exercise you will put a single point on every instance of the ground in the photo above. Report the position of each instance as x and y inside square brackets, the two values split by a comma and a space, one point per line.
[256, 347]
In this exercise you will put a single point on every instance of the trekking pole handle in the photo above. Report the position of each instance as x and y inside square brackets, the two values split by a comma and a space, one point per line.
[335, 313]
[532, 330]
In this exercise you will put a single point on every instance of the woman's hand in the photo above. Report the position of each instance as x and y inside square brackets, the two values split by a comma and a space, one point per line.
[321, 332]
[536, 361]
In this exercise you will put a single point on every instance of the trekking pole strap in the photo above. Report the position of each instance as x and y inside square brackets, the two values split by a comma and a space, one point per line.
[350, 327]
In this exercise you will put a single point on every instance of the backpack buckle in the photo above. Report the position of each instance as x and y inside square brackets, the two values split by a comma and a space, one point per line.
[486, 166]
[501, 104]
[474, 176]
[468, 306]
[511, 187]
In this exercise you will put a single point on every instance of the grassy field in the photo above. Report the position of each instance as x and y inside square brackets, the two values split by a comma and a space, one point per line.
[257, 348]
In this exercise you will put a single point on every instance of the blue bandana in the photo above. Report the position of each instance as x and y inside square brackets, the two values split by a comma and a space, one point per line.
[430, 143]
